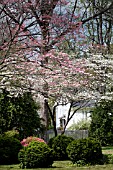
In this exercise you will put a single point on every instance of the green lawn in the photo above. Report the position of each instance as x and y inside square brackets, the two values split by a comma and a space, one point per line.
[67, 165]
[107, 150]
[61, 165]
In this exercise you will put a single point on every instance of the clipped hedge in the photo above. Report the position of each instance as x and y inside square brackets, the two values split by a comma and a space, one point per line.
[35, 155]
[9, 148]
[87, 150]
[59, 145]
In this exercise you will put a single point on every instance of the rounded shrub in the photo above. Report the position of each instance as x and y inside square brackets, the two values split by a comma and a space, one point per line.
[59, 145]
[36, 155]
[9, 148]
[87, 150]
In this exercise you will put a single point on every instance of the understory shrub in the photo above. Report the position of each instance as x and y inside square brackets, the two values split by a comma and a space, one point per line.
[59, 145]
[35, 155]
[80, 125]
[87, 150]
[9, 148]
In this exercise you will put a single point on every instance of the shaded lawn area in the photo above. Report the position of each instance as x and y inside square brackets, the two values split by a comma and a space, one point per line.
[61, 165]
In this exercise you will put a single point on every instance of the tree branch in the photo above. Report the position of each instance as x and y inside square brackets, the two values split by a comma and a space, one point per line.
[97, 14]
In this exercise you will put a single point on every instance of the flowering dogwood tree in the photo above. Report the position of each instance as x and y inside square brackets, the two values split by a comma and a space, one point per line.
[30, 54]
[36, 30]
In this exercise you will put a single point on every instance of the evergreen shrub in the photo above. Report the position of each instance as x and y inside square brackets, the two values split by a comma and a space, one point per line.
[9, 148]
[12, 133]
[59, 145]
[87, 150]
[36, 155]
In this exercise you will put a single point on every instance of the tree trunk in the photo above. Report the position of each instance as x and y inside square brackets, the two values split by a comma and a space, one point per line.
[52, 115]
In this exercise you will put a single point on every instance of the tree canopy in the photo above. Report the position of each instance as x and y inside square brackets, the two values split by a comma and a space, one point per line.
[33, 39]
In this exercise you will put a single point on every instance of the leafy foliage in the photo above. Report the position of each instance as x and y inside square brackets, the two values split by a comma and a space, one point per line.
[51, 141]
[81, 125]
[20, 113]
[102, 122]
[87, 150]
[59, 145]
[9, 148]
[12, 133]
[35, 155]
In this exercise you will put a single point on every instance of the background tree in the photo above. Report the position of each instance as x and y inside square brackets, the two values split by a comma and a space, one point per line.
[99, 29]
[101, 125]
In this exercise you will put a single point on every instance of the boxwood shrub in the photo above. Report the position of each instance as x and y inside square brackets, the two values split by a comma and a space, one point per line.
[36, 155]
[87, 150]
[9, 148]
[59, 145]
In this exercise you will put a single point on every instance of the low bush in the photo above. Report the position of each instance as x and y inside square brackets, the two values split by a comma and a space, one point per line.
[36, 155]
[9, 148]
[59, 145]
[87, 150]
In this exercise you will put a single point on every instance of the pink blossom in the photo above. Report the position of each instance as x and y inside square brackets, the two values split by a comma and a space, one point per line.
[25, 142]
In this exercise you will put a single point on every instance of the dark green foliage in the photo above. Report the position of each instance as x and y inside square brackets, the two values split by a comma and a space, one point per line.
[9, 148]
[102, 122]
[108, 159]
[51, 141]
[35, 155]
[59, 145]
[87, 150]
[20, 113]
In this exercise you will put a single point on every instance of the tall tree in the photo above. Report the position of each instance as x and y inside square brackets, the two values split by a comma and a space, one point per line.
[19, 112]
[42, 27]
[102, 122]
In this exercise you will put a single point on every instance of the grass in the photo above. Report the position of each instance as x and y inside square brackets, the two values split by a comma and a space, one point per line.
[107, 150]
[61, 165]
[67, 165]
